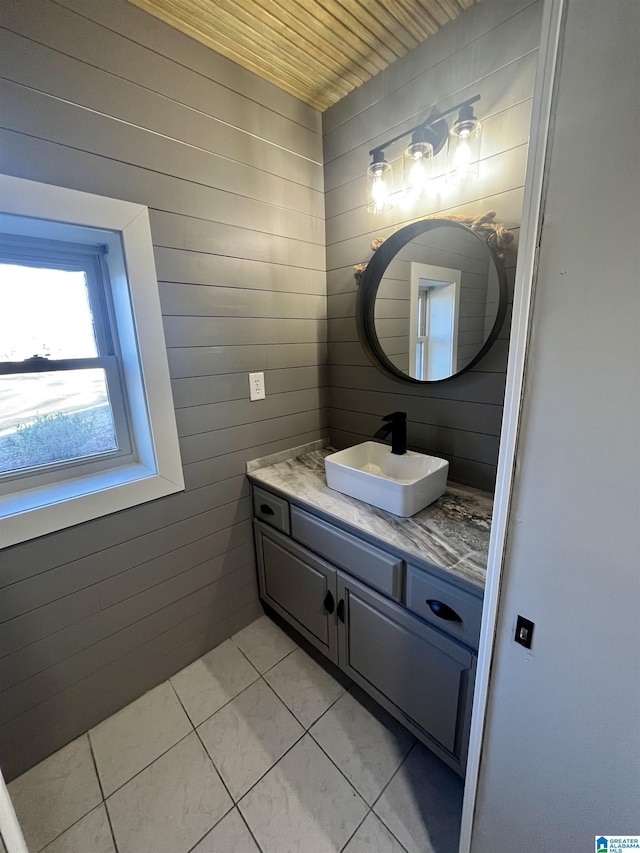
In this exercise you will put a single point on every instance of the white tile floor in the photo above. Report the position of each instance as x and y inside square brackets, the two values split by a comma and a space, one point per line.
[254, 747]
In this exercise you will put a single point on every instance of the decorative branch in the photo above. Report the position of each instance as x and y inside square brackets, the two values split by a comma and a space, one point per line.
[494, 233]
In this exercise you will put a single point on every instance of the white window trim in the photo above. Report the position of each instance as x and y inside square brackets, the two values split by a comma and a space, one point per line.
[444, 274]
[158, 472]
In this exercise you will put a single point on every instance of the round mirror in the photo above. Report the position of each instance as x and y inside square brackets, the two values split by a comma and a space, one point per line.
[431, 301]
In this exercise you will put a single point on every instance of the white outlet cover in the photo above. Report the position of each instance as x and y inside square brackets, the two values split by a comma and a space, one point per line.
[256, 386]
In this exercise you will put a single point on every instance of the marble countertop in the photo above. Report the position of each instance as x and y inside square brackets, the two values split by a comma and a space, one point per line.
[451, 534]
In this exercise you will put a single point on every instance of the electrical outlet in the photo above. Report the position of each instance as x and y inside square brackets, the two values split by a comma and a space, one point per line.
[256, 386]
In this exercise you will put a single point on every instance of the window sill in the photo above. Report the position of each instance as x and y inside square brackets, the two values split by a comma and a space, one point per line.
[36, 512]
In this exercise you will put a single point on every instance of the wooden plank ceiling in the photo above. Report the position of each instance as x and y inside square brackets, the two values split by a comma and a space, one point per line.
[317, 50]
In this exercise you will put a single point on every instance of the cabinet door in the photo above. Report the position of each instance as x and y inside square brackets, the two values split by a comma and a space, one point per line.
[409, 667]
[299, 586]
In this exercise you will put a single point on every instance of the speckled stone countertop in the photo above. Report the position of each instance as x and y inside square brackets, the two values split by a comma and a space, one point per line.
[451, 534]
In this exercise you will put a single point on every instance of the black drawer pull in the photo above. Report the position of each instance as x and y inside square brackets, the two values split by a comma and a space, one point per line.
[443, 610]
[265, 509]
[329, 603]
[341, 610]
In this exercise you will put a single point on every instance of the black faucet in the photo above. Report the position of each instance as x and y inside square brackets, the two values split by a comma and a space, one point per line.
[396, 424]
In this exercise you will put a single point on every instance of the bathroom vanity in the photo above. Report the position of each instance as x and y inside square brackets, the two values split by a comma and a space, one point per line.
[394, 602]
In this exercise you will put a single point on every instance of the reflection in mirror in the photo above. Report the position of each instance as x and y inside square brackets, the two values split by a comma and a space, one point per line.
[436, 302]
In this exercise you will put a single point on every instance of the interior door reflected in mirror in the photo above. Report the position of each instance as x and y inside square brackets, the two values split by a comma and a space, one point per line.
[431, 301]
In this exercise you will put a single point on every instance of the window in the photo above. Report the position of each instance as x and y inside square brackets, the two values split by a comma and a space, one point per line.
[435, 296]
[87, 424]
[60, 373]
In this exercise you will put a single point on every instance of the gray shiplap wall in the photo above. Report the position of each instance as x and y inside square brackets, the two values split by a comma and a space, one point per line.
[490, 50]
[98, 96]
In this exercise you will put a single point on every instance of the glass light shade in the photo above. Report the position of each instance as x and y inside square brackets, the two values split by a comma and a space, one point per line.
[379, 184]
[464, 151]
[418, 170]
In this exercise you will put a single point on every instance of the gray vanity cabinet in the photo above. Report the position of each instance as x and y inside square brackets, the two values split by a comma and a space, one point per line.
[414, 671]
[299, 586]
[347, 597]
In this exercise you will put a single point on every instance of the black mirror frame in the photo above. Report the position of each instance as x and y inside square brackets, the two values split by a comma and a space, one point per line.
[370, 282]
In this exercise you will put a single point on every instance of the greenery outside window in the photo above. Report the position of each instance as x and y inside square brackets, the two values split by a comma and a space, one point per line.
[60, 377]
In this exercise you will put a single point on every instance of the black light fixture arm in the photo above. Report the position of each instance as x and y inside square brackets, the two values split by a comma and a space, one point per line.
[429, 122]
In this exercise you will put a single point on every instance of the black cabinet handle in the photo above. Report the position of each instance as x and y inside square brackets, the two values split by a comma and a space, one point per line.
[266, 510]
[341, 610]
[443, 610]
[329, 603]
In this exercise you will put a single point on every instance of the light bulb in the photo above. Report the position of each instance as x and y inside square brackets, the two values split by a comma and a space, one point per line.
[464, 148]
[418, 166]
[462, 160]
[464, 152]
[378, 185]
[379, 194]
[418, 176]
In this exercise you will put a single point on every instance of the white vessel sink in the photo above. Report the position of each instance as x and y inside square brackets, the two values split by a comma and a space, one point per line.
[402, 484]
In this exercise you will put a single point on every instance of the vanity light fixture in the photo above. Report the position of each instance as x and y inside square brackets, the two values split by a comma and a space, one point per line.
[464, 147]
[379, 183]
[418, 165]
[427, 140]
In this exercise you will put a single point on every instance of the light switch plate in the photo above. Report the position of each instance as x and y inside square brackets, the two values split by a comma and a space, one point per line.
[524, 632]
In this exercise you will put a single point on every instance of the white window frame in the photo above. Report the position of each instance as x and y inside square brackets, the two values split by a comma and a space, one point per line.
[89, 259]
[33, 209]
[444, 276]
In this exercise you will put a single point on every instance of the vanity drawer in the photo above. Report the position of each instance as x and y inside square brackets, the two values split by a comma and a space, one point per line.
[271, 509]
[375, 567]
[451, 609]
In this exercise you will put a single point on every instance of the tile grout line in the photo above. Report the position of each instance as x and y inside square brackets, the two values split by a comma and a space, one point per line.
[75, 823]
[395, 773]
[260, 677]
[341, 772]
[246, 823]
[393, 776]
[146, 767]
[269, 668]
[287, 751]
[206, 720]
[206, 752]
[275, 763]
[104, 801]
[307, 731]
[391, 833]
[222, 782]
[377, 817]
[101, 803]
[384, 787]
[346, 690]
[119, 788]
[284, 704]
[282, 659]
[291, 711]
[350, 838]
